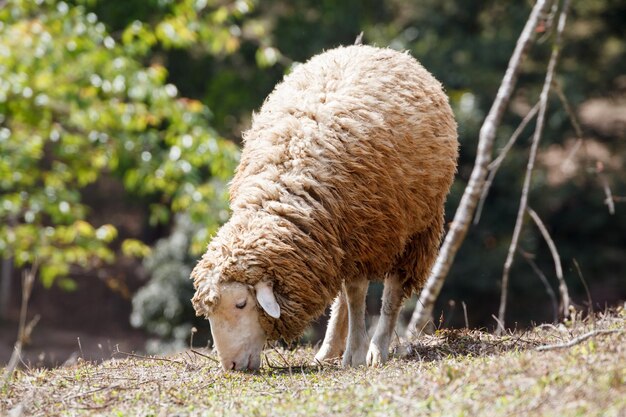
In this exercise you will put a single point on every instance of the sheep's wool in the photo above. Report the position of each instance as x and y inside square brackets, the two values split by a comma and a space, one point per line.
[343, 174]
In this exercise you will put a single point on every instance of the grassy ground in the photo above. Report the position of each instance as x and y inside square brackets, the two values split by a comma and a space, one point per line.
[451, 373]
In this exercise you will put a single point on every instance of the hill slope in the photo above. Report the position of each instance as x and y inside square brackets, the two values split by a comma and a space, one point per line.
[451, 373]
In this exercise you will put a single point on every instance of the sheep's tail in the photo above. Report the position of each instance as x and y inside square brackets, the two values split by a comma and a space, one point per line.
[359, 39]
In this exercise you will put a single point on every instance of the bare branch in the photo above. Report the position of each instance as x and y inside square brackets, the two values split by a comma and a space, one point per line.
[609, 201]
[495, 164]
[359, 39]
[467, 206]
[578, 339]
[543, 104]
[465, 314]
[555, 304]
[28, 280]
[24, 329]
[204, 355]
[570, 155]
[558, 89]
[565, 300]
[150, 358]
[500, 324]
[589, 300]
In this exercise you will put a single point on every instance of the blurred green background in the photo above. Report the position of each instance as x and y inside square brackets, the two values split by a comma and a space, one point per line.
[120, 126]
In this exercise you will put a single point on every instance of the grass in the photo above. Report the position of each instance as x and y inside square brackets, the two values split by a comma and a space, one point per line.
[450, 373]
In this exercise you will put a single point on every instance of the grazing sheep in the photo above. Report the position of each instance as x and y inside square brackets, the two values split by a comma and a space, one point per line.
[342, 180]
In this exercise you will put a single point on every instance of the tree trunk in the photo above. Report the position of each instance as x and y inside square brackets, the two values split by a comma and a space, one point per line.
[465, 212]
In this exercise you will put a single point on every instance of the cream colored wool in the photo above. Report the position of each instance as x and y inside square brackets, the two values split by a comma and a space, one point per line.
[344, 173]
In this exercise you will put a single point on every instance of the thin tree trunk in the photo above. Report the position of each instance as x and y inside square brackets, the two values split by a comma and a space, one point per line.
[543, 104]
[471, 195]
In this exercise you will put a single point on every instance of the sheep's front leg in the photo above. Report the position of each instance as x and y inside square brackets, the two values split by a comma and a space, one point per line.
[336, 331]
[393, 296]
[356, 348]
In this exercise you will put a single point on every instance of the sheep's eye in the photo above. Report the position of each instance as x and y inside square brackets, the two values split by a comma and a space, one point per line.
[241, 305]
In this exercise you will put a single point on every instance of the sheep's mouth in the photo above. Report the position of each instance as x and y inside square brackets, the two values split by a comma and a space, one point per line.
[247, 367]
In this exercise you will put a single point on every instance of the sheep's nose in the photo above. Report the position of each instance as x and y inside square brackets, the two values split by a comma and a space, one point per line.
[234, 366]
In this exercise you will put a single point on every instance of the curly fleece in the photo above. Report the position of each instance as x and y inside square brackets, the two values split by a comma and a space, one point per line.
[343, 175]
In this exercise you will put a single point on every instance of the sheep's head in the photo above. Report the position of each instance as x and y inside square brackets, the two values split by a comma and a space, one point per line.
[239, 280]
[233, 309]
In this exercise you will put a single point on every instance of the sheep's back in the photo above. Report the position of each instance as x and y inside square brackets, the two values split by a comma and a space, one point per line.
[357, 148]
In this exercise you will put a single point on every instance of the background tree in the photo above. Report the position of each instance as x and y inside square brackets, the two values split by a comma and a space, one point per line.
[77, 105]
[134, 97]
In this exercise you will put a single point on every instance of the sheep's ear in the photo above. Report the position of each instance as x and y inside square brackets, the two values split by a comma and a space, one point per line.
[267, 300]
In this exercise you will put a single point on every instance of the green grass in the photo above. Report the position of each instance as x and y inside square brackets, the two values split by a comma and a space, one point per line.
[450, 373]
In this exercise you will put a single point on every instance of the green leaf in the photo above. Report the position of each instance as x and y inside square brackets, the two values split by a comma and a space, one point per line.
[136, 248]
[67, 284]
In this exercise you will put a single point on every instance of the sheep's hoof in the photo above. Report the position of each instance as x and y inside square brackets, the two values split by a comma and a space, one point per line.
[376, 356]
[354, 357]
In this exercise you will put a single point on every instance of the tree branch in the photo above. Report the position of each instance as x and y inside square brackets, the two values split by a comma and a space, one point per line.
[577, 340]
[467, 206]
[24, 329]
[543, 104]
[495, 164]
[542, 277]
[565, 300]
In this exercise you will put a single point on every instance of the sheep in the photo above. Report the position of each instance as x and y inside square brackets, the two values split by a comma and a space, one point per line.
[342, 179]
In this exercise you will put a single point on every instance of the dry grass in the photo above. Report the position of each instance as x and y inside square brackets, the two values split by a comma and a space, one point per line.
[451, 373]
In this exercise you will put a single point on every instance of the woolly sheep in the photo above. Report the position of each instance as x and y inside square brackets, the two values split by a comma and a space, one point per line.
[342, 180]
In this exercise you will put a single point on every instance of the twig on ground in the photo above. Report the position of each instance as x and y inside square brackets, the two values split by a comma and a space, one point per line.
[565, 299]
[543, 104]
[80, 348]
[500, 324]
[92, 391]
[151, 358]
[465, 314]
[462, 218]
[288, 366]
[204, 355]
[589, 300]
[267, 381]
[193, 331]
[578, 339]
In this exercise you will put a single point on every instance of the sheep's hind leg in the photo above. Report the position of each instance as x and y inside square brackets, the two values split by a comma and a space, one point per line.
[393, 296]
[336, 331]
[356, 348]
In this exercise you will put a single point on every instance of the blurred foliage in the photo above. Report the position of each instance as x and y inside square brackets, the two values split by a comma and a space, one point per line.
[122, 89]
[162, 307]
[76, 104]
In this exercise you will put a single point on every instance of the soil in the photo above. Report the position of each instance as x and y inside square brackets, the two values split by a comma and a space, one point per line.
[91, 321]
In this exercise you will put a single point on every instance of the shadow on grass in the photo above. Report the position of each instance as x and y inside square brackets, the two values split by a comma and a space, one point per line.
[455, 343]
[427, 348]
